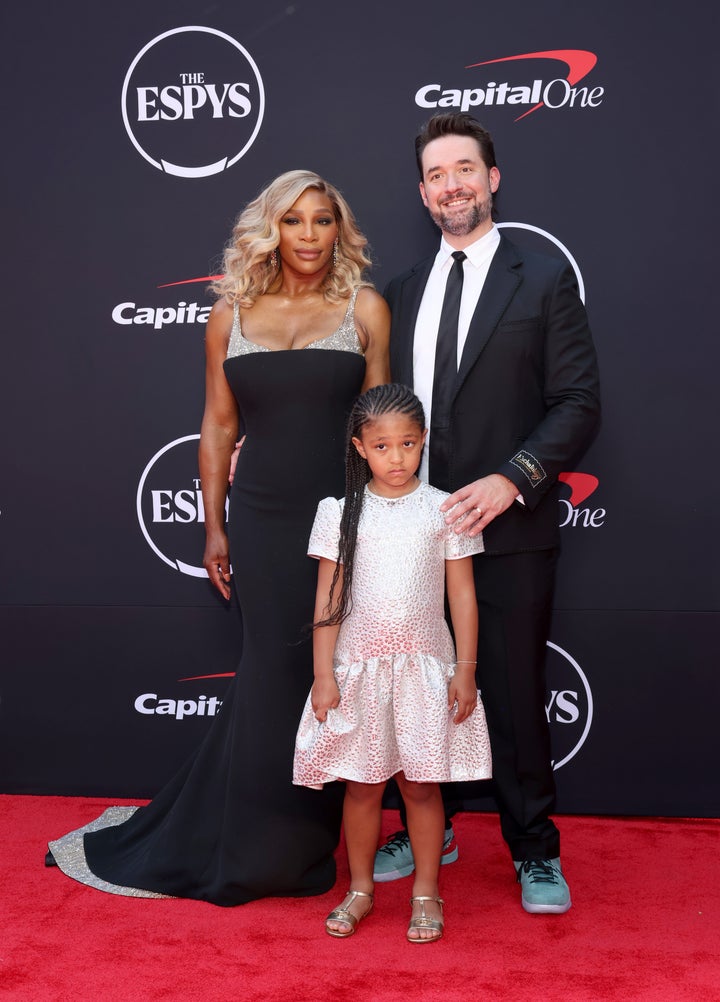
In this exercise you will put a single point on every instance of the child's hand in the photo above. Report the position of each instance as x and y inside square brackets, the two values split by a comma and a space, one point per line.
[462, 690]
[324, 696]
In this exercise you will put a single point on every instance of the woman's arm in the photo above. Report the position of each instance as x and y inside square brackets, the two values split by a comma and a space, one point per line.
[324, 694]
[464, 614]
[217, 441]
[372, 319]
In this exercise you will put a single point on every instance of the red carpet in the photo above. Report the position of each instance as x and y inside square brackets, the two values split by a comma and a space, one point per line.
[645, 925]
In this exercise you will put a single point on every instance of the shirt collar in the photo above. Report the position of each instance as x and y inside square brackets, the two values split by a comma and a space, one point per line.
[478, 253]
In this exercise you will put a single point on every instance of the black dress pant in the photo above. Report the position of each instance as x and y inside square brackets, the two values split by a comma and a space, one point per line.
[515, 593]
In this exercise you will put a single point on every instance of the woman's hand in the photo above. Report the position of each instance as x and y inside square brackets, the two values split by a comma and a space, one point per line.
[216, 562]
[324, 696]
[462, 689]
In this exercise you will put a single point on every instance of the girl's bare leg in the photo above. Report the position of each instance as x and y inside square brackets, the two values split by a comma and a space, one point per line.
[362, 815]
[426, 828]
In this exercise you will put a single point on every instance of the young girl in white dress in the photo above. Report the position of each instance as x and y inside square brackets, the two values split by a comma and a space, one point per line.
[391, 696]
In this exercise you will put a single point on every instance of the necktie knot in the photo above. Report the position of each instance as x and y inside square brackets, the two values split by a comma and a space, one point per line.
[459, 256]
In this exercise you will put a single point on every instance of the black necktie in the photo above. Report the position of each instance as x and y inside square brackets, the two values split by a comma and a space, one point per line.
[445, 376]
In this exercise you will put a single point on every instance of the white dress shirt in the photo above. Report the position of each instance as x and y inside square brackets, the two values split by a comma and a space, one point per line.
[475, 269]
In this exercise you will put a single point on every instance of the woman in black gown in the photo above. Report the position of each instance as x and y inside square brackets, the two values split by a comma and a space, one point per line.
[293, 338]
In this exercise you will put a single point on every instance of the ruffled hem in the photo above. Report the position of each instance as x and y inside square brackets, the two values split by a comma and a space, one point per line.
[392, 717]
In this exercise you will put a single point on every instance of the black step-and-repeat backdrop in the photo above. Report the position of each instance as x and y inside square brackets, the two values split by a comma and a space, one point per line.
[132, 136]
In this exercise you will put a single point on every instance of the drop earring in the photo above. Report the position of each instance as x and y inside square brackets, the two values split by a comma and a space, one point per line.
[274, 259]
[335, 253]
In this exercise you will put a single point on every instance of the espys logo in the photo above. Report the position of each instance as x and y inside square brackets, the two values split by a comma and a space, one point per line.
[581, 485]
[170, 506]
[539, 92]
[569, 706]
[193, 101]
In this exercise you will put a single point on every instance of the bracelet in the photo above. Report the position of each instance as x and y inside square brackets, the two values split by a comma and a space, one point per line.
[462, 662]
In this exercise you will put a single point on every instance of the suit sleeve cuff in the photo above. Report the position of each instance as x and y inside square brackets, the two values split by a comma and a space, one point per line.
[525, 470]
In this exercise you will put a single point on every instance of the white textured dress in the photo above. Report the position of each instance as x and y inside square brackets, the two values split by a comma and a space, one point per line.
[394, 656]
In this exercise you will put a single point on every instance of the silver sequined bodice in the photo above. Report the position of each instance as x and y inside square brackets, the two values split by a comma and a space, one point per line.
[345, 338]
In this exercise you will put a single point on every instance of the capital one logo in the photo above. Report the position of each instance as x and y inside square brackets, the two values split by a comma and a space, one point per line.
[193, 101]
[568, 705]
[538, 85]
[582, 486]
[170, 506]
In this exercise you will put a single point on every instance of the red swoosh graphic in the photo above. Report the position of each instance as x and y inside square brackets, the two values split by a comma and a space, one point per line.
[190, 281]
[200, 678]
[581, 486]
[578, 61]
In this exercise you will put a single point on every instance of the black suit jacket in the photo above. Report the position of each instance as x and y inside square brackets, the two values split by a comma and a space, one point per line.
[527, 399]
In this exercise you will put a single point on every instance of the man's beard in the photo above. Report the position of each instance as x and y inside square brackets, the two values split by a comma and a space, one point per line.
[459, 224]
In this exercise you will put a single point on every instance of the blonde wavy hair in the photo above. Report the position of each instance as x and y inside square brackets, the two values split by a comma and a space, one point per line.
[247, 266]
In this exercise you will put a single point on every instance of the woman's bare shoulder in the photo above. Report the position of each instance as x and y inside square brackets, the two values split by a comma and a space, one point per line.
[222, 310]
[217, 332]
[370, 307]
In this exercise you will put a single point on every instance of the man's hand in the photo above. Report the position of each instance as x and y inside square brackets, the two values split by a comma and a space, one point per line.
[475, 506]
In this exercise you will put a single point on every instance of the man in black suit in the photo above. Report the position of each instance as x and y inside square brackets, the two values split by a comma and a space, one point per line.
[495, 342]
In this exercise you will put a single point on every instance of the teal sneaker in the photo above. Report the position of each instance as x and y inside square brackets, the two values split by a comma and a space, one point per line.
[395, 859]
[544, 889]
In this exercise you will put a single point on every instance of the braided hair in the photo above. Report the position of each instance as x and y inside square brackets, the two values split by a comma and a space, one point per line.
[390, 398]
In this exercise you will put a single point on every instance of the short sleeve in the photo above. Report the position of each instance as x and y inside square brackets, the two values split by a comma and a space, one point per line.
[461, 545]
[325, 534]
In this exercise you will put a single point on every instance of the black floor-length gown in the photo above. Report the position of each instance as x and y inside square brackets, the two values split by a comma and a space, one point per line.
[230, 826]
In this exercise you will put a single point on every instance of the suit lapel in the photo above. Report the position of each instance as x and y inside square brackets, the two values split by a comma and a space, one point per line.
[502, 282]
[411, 294]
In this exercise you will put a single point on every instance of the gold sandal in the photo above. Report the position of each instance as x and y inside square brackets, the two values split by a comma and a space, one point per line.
[423, 921]
[343, 915]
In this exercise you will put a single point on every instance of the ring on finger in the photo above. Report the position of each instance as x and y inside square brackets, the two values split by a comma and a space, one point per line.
[479, 511]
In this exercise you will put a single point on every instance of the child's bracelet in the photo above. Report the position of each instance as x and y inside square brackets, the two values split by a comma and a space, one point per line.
[460, 661]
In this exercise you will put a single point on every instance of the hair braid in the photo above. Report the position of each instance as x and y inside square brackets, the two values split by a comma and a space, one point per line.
[390, 398]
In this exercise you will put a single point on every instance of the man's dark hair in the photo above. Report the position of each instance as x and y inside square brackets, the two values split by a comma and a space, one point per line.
[455, 123]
